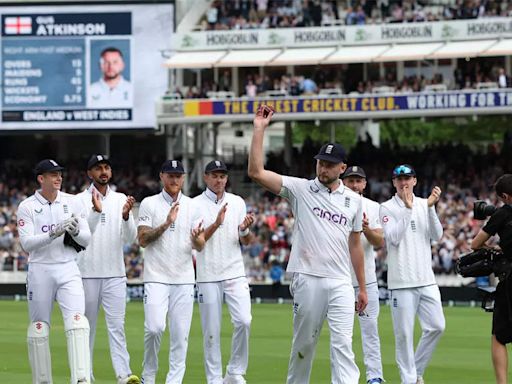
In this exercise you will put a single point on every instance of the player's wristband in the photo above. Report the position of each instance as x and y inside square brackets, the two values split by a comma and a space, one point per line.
[243, 233]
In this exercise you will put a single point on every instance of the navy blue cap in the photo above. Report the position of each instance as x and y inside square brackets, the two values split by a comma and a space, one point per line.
[216, 166]
[47, 165]
[403, 170]
[354, 171]
[331, 152]
[96, 159]
[172, 166]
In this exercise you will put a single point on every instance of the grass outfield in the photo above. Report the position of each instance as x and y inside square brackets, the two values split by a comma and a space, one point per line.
[462, 356]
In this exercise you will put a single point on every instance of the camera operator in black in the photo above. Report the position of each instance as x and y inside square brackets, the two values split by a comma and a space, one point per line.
[500, 223]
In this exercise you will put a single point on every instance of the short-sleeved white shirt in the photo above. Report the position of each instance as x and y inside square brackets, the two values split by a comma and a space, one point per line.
[323, 223]
[221, 259]
[168, 259]
[37, 217]
[102, 96]
[371, 209]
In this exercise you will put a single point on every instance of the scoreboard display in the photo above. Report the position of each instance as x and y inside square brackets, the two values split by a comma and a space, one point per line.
[83, 67]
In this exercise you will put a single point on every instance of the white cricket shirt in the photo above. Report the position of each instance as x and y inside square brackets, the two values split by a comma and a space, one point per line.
[100, 95]
[168, 259]
[408, 233]
[104, 256]
[37, 216]
[221, 259]
[323, 223]
[371, 209]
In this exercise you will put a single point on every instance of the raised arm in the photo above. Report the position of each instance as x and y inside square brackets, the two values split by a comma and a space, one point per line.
[256, 170]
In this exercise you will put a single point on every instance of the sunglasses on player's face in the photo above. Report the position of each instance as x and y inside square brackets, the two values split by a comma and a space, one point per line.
[402, 170]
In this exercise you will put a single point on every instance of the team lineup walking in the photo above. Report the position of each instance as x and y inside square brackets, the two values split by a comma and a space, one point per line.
[193, 252]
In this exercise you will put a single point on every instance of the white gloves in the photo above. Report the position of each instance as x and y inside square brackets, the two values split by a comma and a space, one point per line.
[71, 226]
[58, 230]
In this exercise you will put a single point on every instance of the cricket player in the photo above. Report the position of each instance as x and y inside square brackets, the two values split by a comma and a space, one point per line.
[53, 228]
[410, 224]
[326, 239]
[355, 179]
[221, 275]
[102, 263]
[167, 230]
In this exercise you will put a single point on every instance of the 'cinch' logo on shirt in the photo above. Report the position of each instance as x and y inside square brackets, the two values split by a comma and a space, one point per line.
[338, 218]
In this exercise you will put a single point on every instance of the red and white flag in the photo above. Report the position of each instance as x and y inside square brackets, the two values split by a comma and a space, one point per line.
[19, 25]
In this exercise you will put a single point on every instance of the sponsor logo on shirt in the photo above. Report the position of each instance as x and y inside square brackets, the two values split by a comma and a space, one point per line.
[21, 223]
[413, 225]
[40, 211]
[347, 202]
[143, 218]
[338, 218]
[385, 219]
[66, 209]
[314, 188]
[47, 228]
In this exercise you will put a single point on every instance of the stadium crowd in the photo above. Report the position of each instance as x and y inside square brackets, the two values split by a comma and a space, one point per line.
[468, 177]
[339, 80]
[252, 14]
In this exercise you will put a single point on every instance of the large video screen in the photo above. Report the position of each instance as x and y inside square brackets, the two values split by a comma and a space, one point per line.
[83, 66]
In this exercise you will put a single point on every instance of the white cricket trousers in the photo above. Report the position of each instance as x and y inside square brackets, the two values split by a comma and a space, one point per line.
[315, 299]
[174, 302]
[368, 322]
[111, 294]
[49, 282]
[405, 304]
[238, 299]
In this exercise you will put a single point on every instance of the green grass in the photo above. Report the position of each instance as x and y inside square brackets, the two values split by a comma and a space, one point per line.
[463, 355]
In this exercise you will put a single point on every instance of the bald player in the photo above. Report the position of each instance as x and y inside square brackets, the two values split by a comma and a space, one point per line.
[410, 225]
[326, 240]
[373, 237]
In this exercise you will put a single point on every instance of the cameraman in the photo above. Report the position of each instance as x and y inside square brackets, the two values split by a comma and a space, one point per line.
[500, 223]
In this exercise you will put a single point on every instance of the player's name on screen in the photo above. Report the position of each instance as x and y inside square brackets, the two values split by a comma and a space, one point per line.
[72, 115]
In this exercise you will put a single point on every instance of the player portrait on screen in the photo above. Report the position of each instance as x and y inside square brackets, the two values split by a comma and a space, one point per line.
[110, 87]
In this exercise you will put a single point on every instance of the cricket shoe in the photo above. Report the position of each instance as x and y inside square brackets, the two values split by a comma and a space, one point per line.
[376, 380]
[130, 379]
[234, 379]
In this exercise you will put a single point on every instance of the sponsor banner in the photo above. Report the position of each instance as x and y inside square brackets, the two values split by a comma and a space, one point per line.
[357, 106]
[475, 29]
[81, 66]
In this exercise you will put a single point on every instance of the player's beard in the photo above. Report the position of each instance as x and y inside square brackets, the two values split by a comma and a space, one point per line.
[328, 182]
[101, 181]
[115, 76]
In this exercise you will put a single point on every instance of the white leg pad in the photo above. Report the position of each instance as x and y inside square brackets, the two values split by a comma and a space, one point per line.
[77, 335]
[38, 340]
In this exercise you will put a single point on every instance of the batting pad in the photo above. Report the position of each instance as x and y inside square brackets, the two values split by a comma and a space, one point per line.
[77, 335]
[38, 335]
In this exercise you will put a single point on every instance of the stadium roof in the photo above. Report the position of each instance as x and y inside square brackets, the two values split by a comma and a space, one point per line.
[248, 58]
[302, 56]
[501, 48]
[339, 55]
[360, 54]
[462, 49]
[203, 59]
[405, 52]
